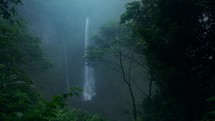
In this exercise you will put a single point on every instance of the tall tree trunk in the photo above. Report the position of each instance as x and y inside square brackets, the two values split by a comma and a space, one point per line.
[133, 102]
[128, 82]
[150, 89]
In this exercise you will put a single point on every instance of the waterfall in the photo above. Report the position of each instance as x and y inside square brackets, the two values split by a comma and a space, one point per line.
[89, 79]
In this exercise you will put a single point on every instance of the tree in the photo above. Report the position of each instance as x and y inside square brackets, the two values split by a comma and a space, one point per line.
[8, 9]
[178, 43]
[113, 46]
[19, 52]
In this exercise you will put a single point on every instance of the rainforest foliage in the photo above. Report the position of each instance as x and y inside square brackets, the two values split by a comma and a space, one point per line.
[20, 52]
[177, 38]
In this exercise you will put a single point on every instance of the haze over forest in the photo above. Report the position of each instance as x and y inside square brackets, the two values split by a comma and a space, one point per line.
[107, 60]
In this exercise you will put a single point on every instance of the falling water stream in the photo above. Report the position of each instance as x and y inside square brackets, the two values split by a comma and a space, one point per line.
[89, 79]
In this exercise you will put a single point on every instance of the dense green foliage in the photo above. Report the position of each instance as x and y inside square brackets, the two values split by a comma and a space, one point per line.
[18, 52]
[177, 37]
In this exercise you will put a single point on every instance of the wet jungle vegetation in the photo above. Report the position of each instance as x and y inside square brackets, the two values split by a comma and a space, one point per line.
[173, 41]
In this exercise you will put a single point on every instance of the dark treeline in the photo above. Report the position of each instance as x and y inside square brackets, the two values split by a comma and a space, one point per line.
[177, 39]
[173, 40]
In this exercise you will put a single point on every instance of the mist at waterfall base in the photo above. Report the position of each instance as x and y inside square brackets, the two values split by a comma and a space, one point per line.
[63, 28]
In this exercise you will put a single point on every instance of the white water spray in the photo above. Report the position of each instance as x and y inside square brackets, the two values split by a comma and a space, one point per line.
[89, 82]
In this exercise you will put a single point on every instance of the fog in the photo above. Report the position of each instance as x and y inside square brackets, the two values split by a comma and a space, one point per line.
[60, 24]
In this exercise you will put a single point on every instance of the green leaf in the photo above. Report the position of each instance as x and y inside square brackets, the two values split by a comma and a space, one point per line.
[19, 114]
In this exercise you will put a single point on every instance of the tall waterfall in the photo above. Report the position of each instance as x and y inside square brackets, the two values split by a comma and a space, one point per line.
[89, 79]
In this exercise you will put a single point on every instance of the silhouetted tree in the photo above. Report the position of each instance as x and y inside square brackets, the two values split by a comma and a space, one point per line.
[113, 46]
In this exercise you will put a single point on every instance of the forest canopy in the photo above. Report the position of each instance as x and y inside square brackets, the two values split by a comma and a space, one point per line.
[173, 40]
